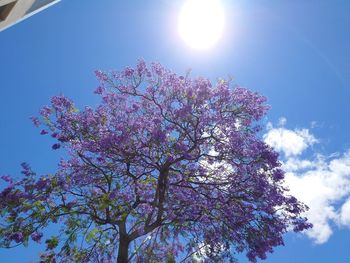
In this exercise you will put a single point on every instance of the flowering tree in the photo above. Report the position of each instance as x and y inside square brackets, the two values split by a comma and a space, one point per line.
[166, 168]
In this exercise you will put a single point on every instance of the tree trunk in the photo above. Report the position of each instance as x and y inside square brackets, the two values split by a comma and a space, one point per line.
[123, 251]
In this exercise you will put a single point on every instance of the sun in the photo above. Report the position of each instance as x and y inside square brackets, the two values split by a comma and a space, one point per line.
[201, 23]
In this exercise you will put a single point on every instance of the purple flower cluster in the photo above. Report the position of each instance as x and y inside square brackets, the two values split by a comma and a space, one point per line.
[36, 236]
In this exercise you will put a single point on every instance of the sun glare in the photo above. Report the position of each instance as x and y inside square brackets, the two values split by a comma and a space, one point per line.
[201, 23]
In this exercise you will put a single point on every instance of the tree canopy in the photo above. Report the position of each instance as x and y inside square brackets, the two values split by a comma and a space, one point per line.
[166, 168]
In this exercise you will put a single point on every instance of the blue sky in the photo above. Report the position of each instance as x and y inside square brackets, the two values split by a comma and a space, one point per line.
[297, 53]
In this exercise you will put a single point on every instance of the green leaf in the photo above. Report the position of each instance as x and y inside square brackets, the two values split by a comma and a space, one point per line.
[92, 234]
[52, 242]
[105, 201]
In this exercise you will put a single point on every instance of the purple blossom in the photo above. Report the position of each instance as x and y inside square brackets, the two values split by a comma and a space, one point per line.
[56, 146]
[128, 72]
[36, 236]
[26, 170]
[7, 178]
[35, 121]
[18, 237]
[45, 111]
[278, 175]
[101, 76]
[157, 68]
[159, 135]
[170, 159]
[99, 90]
[42, 183]
[60, 103]
[43, 132]
[141, 67]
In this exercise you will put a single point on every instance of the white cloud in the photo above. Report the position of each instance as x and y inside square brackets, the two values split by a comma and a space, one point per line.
[202, 249]
[313, 124]
[282, 121]
[322, 183]
[345, 214]
[290, 142]
[293, 164]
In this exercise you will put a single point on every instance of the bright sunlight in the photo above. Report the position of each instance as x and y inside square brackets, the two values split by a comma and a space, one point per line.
[201, 23]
